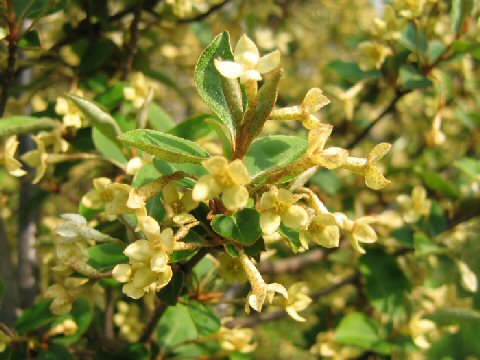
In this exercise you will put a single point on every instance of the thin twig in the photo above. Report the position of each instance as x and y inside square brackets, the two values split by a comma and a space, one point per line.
[294, 263]
[204, 15]
[131, 46]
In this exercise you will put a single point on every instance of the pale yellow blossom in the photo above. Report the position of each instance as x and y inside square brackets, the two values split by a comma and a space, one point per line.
[372, 55]
[329, 158]
[72, 115]
[226, 179]
[13, 166]
[279, 205]
[178, 204]
[37, 159]
[127, 319]
[416, 206]
[298, 300]
[4, 341]
[236, 340]
[247, 64]
[138, 90]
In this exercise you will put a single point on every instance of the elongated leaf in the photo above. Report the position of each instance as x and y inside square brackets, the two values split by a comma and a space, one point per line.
[105, 256]
[109, 148]
[452, 316]
[435, 182]
[461, 9]
[165, 146]
[271, 151]
[34, 317]
[209, 82]
[99, 118]
[13, 125]
[243, 226]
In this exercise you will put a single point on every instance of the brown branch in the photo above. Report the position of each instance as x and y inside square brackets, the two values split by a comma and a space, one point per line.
[131, 46]
[257, 319]
[294, 263]
[204, 15]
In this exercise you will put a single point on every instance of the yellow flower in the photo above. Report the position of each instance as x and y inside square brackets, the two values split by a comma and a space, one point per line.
[4, 341]
[37, 159]
[98, 196]
[76, 228]
[409, 8]
[298, 300]
[374, 179]
[68, 327]
[323, 230]
[468, 278]
[62, 300]
[13, 166]
[436, 136]
[128, 321]
[372, 55]
[360, 230]
[348, 98]
[330, 158]
[148, 268]
[278, 205]
[228, 179]
[137, 92]
[178, 204]
[236, 340]
[419, 330]
[54, 140]
[327, 346]
[248, 65]
[415, 206]
[72, 116]
[313, 101]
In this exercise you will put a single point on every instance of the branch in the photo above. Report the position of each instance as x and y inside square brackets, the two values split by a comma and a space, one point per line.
[204, 15]
[257, 319]
[131, 46]
[294, 263]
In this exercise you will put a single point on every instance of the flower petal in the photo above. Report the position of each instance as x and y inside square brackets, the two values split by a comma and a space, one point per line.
[296, 217]
[243, 46]
[378, 152]
[235, 197]
[314, 101]
[229, 69]
[374, 179]
[269, 222]
[268, 62]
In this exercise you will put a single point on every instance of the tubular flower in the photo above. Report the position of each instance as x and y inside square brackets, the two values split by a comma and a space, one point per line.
[13, 166]
[148, 268]
[374, 179]
[313, 101]
[228, 179]
[248, 65]
[372, 55]
[298, 300]
[278, 205]
[54, 140]
[236, 340]
[330, 158]
[323, 230]
[114, 197]
[415, 206]
[260, 289]
[137, 92]
[178, 204]
[76, 228]
[72, 116]
[360, 230]
[37, 159]
[436, 136]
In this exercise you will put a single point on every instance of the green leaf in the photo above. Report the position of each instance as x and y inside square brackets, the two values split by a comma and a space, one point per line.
[181, 323]
[452, 316]
[424, 245]
[82, 314]
[435, 182]
[13, 125]
[351, 72]
[243, 226]
[327, 181]
[413, 40]
[30, 39]
[170, 293]
[359, 330]
[460, 10]
[34, 317]
[105, 256]
[112, 97]
[165, 146]
[385, 283]
[107, 147]
[272, 151]
[411, 78]
[469, 166]
[96, 55]
[184, 255]
[292, 237]
[159, 119]
[99, 118]
[193, 128]
[209, 81]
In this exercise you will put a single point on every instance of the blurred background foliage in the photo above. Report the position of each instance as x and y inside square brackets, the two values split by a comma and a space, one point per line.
[404, 72]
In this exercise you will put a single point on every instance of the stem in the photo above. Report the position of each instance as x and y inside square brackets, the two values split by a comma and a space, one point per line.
[131, 46]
